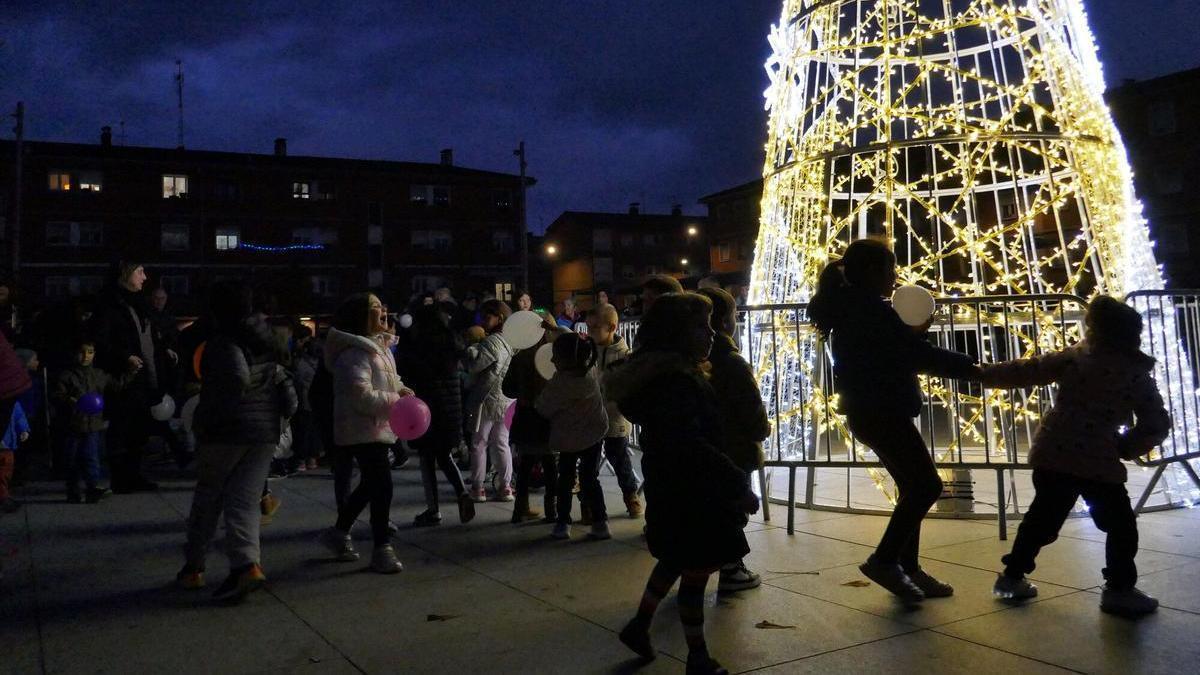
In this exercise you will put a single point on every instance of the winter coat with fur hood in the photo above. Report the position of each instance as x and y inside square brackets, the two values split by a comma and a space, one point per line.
[1100, 390]
[365, 386]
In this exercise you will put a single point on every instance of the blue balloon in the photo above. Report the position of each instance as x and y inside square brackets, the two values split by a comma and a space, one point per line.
[91, 404]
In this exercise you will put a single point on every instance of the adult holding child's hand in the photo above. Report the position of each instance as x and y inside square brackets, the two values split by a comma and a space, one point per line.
[877, 357]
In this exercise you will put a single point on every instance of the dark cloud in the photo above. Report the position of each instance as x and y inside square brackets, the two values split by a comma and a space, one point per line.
[650, 101]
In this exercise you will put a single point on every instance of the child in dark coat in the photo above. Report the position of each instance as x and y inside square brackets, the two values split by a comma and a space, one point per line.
[85, 427]
[429, 366]
[877, 358]
[1103, 383]
[530, 433]
[744, 423]
[696, 498]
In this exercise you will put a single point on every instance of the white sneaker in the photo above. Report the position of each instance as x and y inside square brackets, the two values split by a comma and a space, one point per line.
[1008, 588]
[1127, 602]
[737, 578]
[600, 531]
[384, 560]
[561, 531]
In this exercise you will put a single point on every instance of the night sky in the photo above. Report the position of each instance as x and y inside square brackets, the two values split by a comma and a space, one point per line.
[654, 101]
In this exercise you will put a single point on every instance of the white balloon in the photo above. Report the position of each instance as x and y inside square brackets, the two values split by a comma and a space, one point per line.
[406, 320]
[188, 414]
[523, 330]
[914, 305]
[543, 360]
[164, 409]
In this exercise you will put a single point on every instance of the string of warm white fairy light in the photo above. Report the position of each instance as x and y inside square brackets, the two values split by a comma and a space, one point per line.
[972, 135]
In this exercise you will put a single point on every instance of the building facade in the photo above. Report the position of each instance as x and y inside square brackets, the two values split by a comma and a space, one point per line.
[593, 251]
[307, 229]
[732, 230]
[1157, 119]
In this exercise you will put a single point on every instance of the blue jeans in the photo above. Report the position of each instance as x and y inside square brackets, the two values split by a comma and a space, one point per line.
[83, 460]
[618, 454]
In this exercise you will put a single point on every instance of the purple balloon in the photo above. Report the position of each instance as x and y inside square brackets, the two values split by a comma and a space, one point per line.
[409, 418]
[90, 404]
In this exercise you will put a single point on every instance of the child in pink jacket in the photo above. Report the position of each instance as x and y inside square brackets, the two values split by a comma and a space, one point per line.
[1104, 383]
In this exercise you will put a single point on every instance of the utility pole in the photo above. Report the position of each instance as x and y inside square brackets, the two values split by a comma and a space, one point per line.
[179, 96]
[520, 153]
[17, 190]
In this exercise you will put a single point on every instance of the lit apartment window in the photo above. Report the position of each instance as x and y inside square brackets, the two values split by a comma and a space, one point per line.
[431, 240]
[504, 291]
[228, 238]
[324, 286]
[62, 233]
[60, 181]
[175, 237]
[174, 186]
[300, 190]
[90, 181]
[502, 242]
[176, 284]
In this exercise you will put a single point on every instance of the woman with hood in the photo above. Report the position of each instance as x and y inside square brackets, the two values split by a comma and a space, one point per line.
[358, 351]
[696, 498]
[126, 338]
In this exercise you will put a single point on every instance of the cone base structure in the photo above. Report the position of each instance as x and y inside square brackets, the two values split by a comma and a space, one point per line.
[972, 135]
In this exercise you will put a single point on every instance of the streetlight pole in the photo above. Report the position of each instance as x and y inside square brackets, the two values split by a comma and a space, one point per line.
[520, 153]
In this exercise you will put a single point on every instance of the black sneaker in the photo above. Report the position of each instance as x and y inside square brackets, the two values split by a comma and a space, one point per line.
[638, 640]
[427, 518]
[466, 508]
[892, 577]
[94, 495]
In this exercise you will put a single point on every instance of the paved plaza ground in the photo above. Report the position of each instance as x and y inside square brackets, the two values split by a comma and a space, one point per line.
[88, 589]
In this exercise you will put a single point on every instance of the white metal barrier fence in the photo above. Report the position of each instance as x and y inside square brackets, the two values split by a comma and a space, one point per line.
[968, 427]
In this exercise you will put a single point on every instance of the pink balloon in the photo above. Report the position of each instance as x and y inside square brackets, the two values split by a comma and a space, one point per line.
[409, 418]
[509, 415]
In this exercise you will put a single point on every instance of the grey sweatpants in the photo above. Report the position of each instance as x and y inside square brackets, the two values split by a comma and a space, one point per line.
[230, 478]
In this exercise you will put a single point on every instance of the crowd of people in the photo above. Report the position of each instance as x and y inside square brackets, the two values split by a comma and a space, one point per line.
[282, 398]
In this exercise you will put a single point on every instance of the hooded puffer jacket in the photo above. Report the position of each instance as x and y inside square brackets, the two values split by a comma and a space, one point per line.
[1099, 391]
[365, 386]
[246, 396]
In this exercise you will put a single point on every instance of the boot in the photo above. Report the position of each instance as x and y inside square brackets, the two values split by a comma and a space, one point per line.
[521, 510]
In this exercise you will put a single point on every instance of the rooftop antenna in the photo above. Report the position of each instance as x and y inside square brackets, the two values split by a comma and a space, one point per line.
[179, 96]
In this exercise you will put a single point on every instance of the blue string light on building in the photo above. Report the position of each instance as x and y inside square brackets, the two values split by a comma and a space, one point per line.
[280, 249]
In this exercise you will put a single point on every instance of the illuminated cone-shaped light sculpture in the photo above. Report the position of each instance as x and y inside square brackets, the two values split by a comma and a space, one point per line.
[971, 134]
